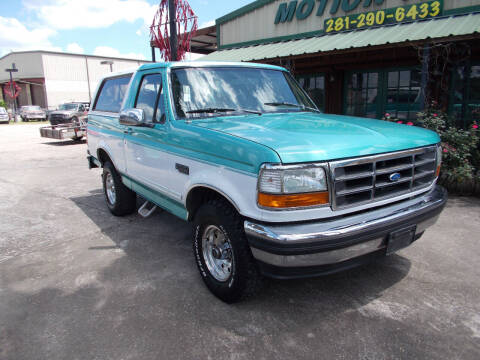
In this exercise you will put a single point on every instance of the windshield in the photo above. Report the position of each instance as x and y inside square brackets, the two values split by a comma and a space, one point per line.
[31, 108]
[68, 107]
[204, 92]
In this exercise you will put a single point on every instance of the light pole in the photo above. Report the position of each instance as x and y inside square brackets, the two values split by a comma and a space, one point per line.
[108, 62]
[172, 12]
[12, 70]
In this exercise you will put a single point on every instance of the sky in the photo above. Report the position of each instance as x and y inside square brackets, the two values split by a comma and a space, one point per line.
[117, 28]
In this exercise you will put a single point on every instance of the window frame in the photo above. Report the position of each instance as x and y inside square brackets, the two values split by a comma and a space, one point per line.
[382, 87]
[314, 76]
[94, 107]
[466, 117]
[157, 97]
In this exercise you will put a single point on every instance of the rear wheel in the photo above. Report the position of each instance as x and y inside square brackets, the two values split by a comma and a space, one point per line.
[222, 253]
[120, 199]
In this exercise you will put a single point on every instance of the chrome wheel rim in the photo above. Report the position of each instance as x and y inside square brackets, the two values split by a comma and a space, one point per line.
[217, 253]
[110, 187]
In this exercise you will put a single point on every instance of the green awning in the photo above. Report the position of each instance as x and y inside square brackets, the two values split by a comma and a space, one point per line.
[416, 31]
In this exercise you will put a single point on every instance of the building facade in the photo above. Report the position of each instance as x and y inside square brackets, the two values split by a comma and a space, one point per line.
[49, 79]
[366, 57]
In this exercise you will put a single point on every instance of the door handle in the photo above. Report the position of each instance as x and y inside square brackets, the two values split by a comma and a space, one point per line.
[127, 131]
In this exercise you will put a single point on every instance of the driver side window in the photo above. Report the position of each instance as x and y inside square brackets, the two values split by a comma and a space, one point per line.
[150, 98]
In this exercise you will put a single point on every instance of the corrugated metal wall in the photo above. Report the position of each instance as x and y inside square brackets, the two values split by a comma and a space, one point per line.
[29, 65]
[67, 78]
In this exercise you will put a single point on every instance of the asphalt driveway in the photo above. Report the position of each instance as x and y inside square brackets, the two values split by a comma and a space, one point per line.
[78, 283]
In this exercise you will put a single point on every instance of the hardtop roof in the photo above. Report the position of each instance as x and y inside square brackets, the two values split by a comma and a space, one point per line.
[183, 64]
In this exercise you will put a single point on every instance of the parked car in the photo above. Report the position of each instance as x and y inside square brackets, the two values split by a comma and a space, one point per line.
[69, 113]
[32, 112]
[4, 117]
[272, 186]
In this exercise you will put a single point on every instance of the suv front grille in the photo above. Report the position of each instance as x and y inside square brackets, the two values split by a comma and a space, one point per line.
[378, 177]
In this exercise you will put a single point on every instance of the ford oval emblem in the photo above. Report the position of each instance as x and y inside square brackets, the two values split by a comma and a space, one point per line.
[395, 177]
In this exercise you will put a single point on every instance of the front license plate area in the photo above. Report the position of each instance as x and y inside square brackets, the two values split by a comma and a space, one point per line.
[400, 239]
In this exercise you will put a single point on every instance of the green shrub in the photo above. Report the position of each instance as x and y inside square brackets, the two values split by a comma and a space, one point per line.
[3, 104]
[461, 158]
[460, 149]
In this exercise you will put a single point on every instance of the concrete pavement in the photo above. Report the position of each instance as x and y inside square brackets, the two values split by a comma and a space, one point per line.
[78, 283]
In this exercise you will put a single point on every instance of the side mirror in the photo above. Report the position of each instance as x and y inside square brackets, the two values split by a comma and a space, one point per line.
[132, 117]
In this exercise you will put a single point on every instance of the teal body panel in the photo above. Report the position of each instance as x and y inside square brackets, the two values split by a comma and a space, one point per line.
[161, 200]
[306, 137]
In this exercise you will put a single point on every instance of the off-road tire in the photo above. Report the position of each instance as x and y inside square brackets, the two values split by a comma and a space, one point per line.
[125, 199]
[245, 280]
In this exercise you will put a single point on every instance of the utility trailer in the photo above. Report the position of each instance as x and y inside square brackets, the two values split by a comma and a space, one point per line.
[75, 131]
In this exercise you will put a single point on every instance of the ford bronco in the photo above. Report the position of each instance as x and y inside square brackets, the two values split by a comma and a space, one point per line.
[273, 186]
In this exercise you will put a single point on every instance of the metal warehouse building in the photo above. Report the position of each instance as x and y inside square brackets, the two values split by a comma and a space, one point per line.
[364, 57]
[50, 78]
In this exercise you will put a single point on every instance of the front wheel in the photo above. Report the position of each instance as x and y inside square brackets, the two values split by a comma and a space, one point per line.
[120, 199]
[222, 253]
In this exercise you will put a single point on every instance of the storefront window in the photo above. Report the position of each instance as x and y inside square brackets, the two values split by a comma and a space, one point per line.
[314, 85]
[403, 94]
[372, 94]
[362, 94]
[465, 96]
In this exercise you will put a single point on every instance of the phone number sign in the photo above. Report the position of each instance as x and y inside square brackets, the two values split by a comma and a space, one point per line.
[414, 12]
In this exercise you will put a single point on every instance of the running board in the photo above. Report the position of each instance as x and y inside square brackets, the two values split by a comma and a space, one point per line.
[147, 209]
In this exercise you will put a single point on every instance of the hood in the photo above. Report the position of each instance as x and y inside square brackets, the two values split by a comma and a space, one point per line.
[305, 137]
[62, 112]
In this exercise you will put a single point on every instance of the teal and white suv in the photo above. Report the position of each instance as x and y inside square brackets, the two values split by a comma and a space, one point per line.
[273, 186]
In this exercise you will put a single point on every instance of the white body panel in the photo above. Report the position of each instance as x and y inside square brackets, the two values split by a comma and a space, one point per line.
[113, 145]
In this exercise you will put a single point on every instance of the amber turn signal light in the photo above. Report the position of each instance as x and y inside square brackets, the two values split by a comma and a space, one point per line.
[438, 171]
[296, 200]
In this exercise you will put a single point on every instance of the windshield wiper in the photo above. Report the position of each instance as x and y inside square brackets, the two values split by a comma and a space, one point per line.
[209, 110]
[303, 107]
[217, 110]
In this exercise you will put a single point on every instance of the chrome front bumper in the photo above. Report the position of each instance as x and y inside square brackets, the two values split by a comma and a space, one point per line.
[298, 250]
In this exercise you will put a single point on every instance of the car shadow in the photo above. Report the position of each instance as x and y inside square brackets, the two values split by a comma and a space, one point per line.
[65, 142]
[163, 235]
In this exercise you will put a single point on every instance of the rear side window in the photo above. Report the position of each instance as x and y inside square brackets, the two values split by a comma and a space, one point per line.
[112, 93]
[150, 97]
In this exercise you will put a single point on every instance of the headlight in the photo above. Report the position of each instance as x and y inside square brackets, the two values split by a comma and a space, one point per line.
[292, 186]
[439, 159]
